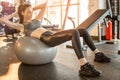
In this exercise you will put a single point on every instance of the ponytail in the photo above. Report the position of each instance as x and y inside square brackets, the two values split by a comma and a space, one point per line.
[22, 8]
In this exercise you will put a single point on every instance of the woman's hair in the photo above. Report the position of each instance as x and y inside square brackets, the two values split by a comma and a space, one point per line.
[22, 8]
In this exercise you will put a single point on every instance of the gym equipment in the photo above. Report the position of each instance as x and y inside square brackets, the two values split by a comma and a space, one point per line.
[7, 8]
[1, 8]
[34, 52]
[50, 26]
[66, 14]
[91, 21]
[95, 18]
[98, 16]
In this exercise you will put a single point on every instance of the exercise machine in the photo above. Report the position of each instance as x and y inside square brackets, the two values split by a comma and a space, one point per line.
[6, 9]
[94, 19]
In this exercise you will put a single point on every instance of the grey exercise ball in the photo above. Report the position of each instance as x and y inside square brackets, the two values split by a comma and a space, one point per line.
[32, 51]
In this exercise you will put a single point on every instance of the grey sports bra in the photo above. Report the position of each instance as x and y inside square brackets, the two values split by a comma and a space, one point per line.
[31, 26]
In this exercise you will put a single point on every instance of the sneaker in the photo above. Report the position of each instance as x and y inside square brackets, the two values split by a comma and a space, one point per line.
[89, 70]
[100, 57]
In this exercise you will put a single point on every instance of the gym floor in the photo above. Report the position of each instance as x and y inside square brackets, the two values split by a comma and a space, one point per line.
[65, 66]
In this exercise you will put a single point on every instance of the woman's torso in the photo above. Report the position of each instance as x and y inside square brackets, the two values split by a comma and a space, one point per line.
[33, 29]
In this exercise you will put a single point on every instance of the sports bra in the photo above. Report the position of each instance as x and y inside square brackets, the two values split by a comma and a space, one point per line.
[31, 26]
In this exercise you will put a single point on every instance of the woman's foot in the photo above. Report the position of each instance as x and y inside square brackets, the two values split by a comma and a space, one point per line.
[89, 70]
[100, 57]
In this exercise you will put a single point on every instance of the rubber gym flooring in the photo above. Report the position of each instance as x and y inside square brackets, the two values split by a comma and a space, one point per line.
[65, 66]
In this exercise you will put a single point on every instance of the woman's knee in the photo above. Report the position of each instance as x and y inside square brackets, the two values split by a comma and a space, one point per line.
[76, 32]
[83, 31]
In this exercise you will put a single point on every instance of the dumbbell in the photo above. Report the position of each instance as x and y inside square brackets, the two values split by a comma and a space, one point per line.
[118, 51]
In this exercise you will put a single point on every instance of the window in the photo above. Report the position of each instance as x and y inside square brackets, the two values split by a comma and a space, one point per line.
[56, 12]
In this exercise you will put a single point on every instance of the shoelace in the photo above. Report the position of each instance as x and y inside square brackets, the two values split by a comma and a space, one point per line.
[102, 55]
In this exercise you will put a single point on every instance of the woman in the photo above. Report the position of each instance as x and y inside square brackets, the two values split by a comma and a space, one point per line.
[31, 27]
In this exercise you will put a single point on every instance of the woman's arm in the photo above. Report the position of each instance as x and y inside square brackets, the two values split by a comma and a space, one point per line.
[42, 8]
[5, 20]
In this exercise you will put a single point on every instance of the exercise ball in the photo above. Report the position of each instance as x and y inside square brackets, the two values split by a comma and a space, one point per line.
[33, 51]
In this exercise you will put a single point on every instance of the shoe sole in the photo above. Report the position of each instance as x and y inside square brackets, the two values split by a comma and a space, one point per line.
[87, 75]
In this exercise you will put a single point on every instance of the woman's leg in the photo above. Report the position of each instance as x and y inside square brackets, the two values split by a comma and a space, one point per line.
[87, 38]
[54, 39]
[83, 33]
[63, 36]
[99, 56]
[86, 69]
[76, 44]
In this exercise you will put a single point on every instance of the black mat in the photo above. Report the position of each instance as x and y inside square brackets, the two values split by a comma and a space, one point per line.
[50, 71]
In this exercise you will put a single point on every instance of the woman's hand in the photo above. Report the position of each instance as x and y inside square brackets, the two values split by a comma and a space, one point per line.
[42, 8]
